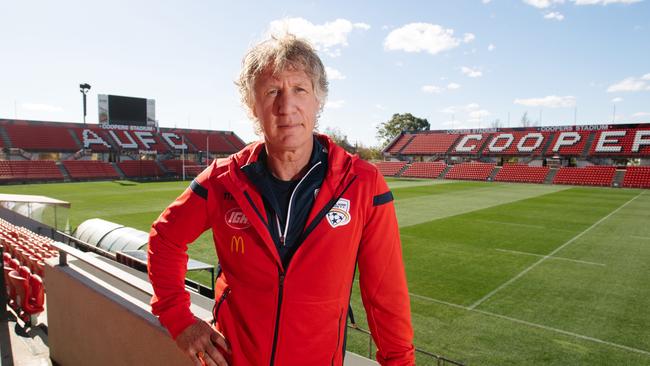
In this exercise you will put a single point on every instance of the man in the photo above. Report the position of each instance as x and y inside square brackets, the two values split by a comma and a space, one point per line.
[291, 217]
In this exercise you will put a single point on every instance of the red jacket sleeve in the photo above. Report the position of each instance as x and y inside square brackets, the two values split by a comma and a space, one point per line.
[383, 281]
[180, 224]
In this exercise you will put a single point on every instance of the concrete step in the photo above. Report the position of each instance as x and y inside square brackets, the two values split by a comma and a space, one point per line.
[550, 176]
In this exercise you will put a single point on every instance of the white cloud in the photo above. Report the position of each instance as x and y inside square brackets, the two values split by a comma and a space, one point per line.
[486, 1]
[542, 4]
[431, 89]
[477, 115]
[550, 101]
[434, 89]
[554, 15]
[418, 37]
[380, 107]
[472, 73]
[335, 104]
[630, 84]
[605, 2]
[491, 47]
[37, 107]
[646, 77]
[334, 74]
[617, 100]
[641, 114]
[328, 37]
[472, 106]
[363, 26]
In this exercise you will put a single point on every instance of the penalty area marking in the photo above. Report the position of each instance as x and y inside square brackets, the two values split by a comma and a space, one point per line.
[535, 325]
[550, 255]
[558, 258]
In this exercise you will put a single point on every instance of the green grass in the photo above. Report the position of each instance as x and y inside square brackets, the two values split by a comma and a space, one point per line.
[500, 274]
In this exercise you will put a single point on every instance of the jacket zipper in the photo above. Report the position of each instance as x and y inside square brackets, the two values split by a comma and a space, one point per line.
[217, 305]
[277, 317]
[283, 235]
[282, 275]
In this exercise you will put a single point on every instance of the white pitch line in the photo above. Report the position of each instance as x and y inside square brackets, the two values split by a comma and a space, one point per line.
[640, 237]
[558, 258]
[505, 284]
[531, 324]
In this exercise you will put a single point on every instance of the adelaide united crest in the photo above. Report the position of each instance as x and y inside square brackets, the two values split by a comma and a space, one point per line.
[339, 215]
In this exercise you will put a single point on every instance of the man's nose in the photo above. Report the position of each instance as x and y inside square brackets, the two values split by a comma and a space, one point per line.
[285, 102]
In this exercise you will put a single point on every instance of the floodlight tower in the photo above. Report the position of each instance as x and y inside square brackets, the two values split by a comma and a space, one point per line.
[83, 88]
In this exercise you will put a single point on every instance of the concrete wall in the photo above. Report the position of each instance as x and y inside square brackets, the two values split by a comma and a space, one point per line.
[92, 322]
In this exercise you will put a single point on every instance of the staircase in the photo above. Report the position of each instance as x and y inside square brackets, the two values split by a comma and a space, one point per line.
[444, 172]
[590, 140]
[76, 139]
[494, 173]
[399, 173]
[550, 176]
[66, 176]
[119, 171]
[6, 141]
[618, 178]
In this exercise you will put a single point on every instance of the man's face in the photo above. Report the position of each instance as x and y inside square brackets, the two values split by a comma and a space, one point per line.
[286, 106]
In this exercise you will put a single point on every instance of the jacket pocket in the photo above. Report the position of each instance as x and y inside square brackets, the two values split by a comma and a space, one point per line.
[217, 304]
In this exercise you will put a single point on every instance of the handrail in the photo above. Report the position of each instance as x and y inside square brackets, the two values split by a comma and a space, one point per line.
[125, 277]
[440, 360]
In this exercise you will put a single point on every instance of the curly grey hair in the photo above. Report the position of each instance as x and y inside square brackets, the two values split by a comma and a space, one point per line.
[280, 53]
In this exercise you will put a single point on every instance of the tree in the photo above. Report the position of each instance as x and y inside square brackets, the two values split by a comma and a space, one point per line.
[525, 121]
[390, 129]
[339, 138]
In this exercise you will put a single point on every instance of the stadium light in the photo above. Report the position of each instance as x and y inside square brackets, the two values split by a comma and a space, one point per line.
[83, 88]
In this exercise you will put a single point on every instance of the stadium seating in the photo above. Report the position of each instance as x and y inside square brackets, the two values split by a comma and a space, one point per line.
[516, 143]
[235, 141]
[470, 171]
[622, 142]
[470, 144]
[390, 168]
[637, 177]
[29, 170]
[522, 173]
[95, 138]
[568, 143]
[41, 137]
[590, 175]
[89, 169]
[215, 142]
[176, 167]
[140, 168]
[430, 144]
[424, 170]
[23, 260]
[400, 143]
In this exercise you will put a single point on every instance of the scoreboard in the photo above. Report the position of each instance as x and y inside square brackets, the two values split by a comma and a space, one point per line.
[126, 111]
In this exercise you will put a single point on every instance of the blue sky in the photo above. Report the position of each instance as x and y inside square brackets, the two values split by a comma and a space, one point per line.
[460, 64]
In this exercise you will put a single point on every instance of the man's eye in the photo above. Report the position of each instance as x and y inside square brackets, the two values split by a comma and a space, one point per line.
[301, 90]
[272, 92]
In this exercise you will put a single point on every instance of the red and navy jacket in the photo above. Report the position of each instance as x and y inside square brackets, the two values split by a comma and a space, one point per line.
[294, 314]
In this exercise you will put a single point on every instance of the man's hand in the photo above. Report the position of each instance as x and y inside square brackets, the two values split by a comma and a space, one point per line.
[203, 344]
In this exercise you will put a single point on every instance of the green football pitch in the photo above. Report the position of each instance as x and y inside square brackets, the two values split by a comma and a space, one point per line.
[499, 274]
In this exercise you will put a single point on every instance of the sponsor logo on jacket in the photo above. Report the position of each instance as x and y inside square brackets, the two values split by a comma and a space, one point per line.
[236, 219]
[237, 244]
[339, 215]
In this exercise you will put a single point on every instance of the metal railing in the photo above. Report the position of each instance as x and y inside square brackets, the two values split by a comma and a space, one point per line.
[438, 359]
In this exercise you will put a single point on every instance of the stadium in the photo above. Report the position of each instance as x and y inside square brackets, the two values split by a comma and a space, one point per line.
[521, 245]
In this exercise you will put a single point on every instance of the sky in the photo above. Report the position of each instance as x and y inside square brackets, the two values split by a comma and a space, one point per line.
[460, 64]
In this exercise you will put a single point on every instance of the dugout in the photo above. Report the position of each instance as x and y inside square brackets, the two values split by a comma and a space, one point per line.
[110, 236]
